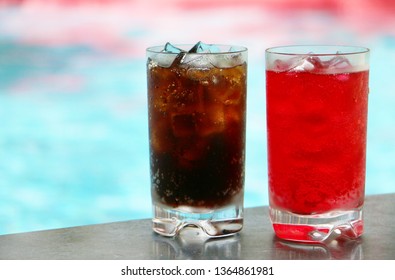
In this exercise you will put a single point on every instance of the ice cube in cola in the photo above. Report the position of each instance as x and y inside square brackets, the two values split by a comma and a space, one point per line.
[201, 47]
[201, 160]
[169, 48]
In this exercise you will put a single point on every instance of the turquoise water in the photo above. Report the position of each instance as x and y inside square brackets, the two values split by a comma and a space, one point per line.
[74, 139]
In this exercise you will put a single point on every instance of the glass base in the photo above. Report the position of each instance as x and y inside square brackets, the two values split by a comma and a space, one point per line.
[318, 227]
[213, 223]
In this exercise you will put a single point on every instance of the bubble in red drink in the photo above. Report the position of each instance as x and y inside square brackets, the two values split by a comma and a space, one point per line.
[197, 102]
[316, 125]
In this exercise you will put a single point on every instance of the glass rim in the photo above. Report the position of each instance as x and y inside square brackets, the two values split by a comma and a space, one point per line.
[158, 49]
[314, 50]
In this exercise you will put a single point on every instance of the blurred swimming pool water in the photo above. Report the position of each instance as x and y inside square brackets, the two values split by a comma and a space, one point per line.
[74, 138]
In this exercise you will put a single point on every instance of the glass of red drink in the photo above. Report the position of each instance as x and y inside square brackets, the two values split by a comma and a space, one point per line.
[197, 111]
[317, 101]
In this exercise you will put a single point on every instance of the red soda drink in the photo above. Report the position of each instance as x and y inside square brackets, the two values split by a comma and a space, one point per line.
[316, 125]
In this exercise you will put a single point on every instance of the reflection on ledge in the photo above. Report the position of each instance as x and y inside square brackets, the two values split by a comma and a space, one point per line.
[192, 244]
[342, 249]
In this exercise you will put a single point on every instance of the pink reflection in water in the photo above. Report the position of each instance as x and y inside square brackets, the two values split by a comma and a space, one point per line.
[128, 26]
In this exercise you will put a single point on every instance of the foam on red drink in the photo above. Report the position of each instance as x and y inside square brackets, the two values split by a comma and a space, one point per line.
[316, 140]
[197, 133]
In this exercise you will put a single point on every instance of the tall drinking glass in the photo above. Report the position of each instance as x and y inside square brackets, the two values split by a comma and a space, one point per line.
[317, 101]
[197, 111]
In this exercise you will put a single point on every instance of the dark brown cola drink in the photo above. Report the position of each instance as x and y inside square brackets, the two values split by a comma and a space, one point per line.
[197, 110]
